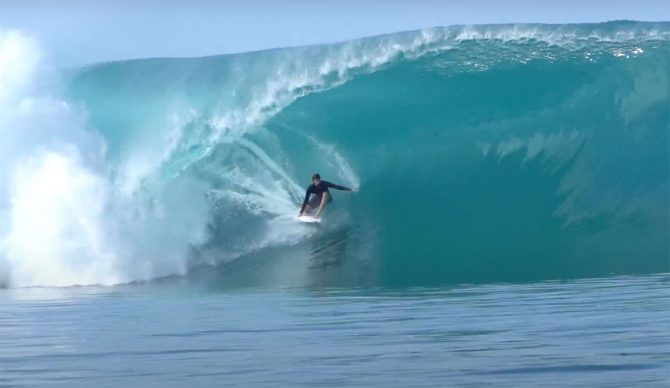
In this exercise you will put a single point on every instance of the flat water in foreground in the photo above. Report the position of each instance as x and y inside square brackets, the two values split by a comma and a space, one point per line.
[598, 332]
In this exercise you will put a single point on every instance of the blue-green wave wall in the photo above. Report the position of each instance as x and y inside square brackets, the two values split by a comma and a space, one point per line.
[488, 153]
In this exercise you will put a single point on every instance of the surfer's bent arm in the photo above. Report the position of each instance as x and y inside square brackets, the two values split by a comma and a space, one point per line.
[304, 202]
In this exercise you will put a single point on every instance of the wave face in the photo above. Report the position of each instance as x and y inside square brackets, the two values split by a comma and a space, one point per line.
[486, 153]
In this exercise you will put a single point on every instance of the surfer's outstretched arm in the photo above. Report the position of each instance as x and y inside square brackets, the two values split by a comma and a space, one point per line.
[338, 187]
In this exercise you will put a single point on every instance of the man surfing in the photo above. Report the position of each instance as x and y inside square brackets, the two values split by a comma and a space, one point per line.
[317, 195]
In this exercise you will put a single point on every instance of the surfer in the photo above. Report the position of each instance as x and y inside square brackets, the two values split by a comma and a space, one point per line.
[317, 195]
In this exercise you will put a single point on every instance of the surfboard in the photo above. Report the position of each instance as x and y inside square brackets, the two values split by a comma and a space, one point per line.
[309, 219]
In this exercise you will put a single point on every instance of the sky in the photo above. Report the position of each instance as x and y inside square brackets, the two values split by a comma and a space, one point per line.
[78, 32]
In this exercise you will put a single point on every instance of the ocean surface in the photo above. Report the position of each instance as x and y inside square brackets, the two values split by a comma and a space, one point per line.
[610, 332]
[512, 225]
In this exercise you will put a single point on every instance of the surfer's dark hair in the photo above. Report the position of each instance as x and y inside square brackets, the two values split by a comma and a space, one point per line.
[316, 176]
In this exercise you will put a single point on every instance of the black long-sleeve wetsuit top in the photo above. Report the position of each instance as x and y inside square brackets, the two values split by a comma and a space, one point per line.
[319, 189]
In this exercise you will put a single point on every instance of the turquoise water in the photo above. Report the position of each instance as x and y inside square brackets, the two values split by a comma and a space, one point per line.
[595, 332]
[499, 153]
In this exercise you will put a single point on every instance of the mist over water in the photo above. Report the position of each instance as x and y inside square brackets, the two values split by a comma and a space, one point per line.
[486, 153]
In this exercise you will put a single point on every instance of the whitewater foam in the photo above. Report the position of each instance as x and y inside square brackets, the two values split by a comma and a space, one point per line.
[67, 222]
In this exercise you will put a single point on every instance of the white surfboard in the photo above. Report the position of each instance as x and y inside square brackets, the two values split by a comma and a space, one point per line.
[309, 219]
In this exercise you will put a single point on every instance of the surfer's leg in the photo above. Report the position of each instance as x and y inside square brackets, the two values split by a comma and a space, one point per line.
[313, 203]
[325, 200]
